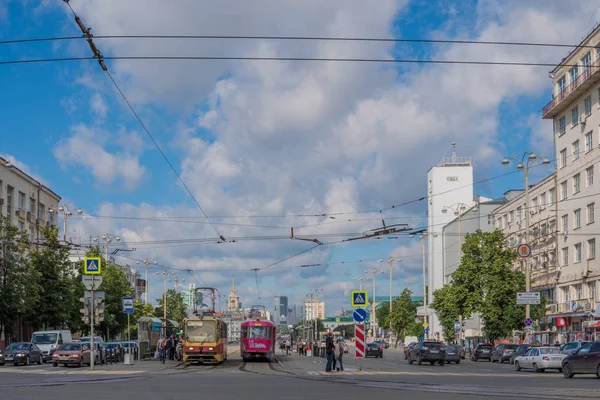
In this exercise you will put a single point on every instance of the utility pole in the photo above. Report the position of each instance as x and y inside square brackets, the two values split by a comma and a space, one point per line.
[146, 262]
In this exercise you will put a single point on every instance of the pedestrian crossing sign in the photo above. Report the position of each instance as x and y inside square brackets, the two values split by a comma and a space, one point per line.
[360, 298]
[91, 266]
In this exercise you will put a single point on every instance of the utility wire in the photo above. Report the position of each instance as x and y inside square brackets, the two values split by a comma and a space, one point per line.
[313, 59]
[301, 38]
[98, 56]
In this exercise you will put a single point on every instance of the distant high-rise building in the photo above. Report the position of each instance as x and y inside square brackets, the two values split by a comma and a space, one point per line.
[280, 314]
[313, 309]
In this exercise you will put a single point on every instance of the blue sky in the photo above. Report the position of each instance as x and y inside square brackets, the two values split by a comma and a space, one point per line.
[273, 138]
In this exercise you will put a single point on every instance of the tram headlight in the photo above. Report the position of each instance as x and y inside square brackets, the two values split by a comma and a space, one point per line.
[191, 348]
[210, 349]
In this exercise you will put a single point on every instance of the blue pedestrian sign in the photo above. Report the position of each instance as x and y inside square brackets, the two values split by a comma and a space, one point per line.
[91, 266]
[128, 305]
[360, 298]
[456, 324]
[426, 330]
[359, 315]
[528, 322]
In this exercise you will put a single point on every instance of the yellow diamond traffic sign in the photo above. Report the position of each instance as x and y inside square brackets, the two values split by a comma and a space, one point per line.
[425, 325]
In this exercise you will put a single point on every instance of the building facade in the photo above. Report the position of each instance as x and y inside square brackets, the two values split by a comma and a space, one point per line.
[314, 309]
[27, 203]
[449, 183]
[280, 312]
[575, 111]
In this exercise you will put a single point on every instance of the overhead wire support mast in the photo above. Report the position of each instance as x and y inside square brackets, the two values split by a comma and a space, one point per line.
[98, 55]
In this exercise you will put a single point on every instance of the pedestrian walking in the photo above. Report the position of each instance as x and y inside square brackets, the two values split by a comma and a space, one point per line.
[161, 347]
[339, 353]
[329, 349]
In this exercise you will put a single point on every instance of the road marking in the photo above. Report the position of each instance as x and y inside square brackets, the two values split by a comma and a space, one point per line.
[323, 373]
[48, 371]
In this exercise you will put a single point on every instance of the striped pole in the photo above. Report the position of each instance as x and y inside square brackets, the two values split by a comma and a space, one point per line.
[359, 340]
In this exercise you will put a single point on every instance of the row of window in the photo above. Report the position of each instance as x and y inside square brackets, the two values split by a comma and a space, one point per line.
[590, 213]
[576, 183]
[560, 127]
[576, 149]
[582, 69]
[538, 203]
[579, 292]
[577, 252]
[41, 211]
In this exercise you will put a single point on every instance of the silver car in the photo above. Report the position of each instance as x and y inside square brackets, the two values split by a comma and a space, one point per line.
[540, 359]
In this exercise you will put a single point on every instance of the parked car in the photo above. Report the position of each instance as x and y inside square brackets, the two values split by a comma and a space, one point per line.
[452, 354]
[374, 349]
[569, 347]
[72, 354]
[22, 353]
[519, 351]
[482, 351]
[540, 359]
[427, 351]
[502, 352]
[49, 341]
[408, 348]
[585, 360]
[114, 352]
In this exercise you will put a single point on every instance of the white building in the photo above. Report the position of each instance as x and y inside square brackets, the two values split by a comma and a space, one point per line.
[450, 183]
[314, 309]
[25, 201]
[575, 110]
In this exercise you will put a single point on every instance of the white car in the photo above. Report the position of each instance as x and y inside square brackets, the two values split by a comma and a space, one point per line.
[540, 359]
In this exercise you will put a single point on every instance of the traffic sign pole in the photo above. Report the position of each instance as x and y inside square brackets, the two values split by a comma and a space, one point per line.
[92, 348]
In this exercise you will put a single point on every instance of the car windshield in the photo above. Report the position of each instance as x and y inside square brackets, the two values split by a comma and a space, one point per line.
[44, 338]
[432, 345]
[70, 346]
[486, 346]
[450, 348]
[549, 350]
[18, 346]
[200, 331]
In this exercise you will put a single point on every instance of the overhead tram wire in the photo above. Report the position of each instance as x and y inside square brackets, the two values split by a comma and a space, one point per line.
[311, 59]
[100, 58]
[300, 38]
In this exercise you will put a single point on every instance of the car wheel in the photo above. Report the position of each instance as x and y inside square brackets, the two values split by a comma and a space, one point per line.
[535, 368]
[27, 361]
[55, 364]
[458, 361]
[567, 371]
[517, 366]
[419, 360]
[501, 360]
[560, 370]
[598, 371]
[410, 361]
[432, 362]
[39, 361]
[442, 363]
[81, 362]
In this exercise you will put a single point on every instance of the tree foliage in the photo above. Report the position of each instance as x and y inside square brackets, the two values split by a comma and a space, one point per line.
[176, 308]
[18, 291]
[383, 315]
[402, 317]
[485, 282]
[139, 310]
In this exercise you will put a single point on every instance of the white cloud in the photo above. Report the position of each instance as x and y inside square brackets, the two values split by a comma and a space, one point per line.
[98, 105]
[84, 149]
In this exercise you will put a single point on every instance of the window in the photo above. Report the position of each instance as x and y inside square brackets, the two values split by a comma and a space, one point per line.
[576, 183]
[565, 223]
[577, 248]
[590, 213]
[41, 211]
[520, 213]
[31, 234]
[9, 202]
[552, 197]
[21, 226]
[575, 116]
[565, 257]
[561, 85]
[586, 61]
[579, 289]
[490, 219]
[543, 200]
[589, 175]
[562, 126]
[589, 142]
[534, 204]
[573, 74]
[21, 200]
[563, 158]
[566, 293]
[587, 105]
[577, 218]
[32, 206]
[511, 217]
[576, 150]
[49, 216]
[591, 250]
[563, 190]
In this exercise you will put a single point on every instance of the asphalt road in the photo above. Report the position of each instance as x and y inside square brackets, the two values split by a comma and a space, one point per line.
[294, 377]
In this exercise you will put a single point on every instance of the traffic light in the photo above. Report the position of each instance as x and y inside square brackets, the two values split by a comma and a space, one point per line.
[99, 310]
[85, 311]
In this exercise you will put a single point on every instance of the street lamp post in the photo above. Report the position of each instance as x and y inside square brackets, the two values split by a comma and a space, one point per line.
[67, 211]
[107, 238]
[165, 274]
[390, 261]
[525, 160]
[359, 280]
[422, 237]
[374, 272]
[145, 261]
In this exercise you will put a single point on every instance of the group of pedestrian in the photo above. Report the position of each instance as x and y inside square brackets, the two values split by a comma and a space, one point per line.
[171, 347]
[335, 353]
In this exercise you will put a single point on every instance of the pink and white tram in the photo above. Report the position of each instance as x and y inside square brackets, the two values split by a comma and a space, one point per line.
[258, 339]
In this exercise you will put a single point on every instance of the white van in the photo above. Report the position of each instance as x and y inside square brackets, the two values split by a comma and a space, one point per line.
[48, 341]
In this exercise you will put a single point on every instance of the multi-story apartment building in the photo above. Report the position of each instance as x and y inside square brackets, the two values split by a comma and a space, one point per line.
[25, 201]
[314, 309]
[575, 110]
[543, 239]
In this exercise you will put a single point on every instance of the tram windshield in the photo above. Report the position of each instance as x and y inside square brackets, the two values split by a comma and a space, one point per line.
[257, 332]
[199, 331]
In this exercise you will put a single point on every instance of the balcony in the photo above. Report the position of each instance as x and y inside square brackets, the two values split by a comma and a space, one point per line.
[588, 77]
[582, 305]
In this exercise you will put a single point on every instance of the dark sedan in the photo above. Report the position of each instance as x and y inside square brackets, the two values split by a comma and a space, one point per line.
[502, 352]
[374, 349]
[433, 352]
[482, 351]
[21, 353]
[452, 354]
[585, 360]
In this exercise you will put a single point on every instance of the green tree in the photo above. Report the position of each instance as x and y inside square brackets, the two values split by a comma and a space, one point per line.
[55, 305]
[383, 315]
[115, 286]
[139, 310]
[176, 308]
[18, 291]
[403, 313]
[446, 309]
